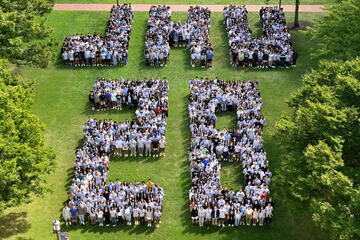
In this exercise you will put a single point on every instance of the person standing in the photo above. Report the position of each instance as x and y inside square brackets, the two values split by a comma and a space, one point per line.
[66, 215]
[294, 58]
[120, 215]
[87, 57]
[243, 215]
[162, 145]
[231, 216]
[136, 213]
[113, 216]
[127, 213]
[107, 216]
[100, 217]
[148, 147]
[222, 216]
[194, 215]
[142, 212]
[149, 185]
[249, 213]
[201, 214]
[140, 144]
[124, 57]
[268, 213]
[208, 216]
[237, 217]
[261, 216]
[255, 216]
[125, 148]
[92, 215]
[157, 217]
[132, 144]
[155, 146]
[74, 214]
[114, 58]
[149, 216]
[81, 213]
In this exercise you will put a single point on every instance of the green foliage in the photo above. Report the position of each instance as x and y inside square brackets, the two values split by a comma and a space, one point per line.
[338, 32]
[321, 139]
[25, 160]
[24, 36]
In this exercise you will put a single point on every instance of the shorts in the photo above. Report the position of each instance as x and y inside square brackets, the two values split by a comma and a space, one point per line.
[194, 218]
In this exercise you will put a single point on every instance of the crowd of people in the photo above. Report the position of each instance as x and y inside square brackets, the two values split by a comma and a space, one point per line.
[91, 197]
[157, 46]
[149, 98]
[272, 49]
[163, 32]
[96, 49]
[116, 203]
[210, 203]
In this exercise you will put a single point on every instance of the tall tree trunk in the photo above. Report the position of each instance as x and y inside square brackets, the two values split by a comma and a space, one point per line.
[279, 3]
[296, 20]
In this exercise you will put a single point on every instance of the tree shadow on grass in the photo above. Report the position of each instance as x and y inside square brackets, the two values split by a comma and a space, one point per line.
[131, 230]
[13, 223]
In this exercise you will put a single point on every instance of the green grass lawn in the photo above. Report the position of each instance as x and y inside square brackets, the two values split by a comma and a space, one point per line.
[205, 2]
[62, 104]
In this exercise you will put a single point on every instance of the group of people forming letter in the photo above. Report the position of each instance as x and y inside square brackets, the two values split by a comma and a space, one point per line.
[272, 49]
[210, 202]
[91, 198]
[163, 32]
[96, 49]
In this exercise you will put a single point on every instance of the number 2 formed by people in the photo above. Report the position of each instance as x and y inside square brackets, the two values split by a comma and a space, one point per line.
[210, 201]
[131, 202]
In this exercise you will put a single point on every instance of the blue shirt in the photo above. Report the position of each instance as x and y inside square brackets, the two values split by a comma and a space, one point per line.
[210, 54]
[73, 212]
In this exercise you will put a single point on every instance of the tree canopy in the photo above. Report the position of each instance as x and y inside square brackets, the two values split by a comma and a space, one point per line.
[337, 33]
[24, 36]
[321, 139]
[25, 160]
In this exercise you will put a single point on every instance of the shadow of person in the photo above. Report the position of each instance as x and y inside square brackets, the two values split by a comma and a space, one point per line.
[12, 224]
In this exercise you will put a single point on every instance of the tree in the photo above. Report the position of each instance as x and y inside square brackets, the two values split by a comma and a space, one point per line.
[24, 36]
[25, 160]
[338, 33]
[296, 18]
[321, 139]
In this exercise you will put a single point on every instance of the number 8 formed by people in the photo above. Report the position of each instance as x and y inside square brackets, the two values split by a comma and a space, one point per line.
[92, 197]
[211, 203]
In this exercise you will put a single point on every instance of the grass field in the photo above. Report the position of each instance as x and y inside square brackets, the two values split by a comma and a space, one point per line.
[62, 103]
[205, 2]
